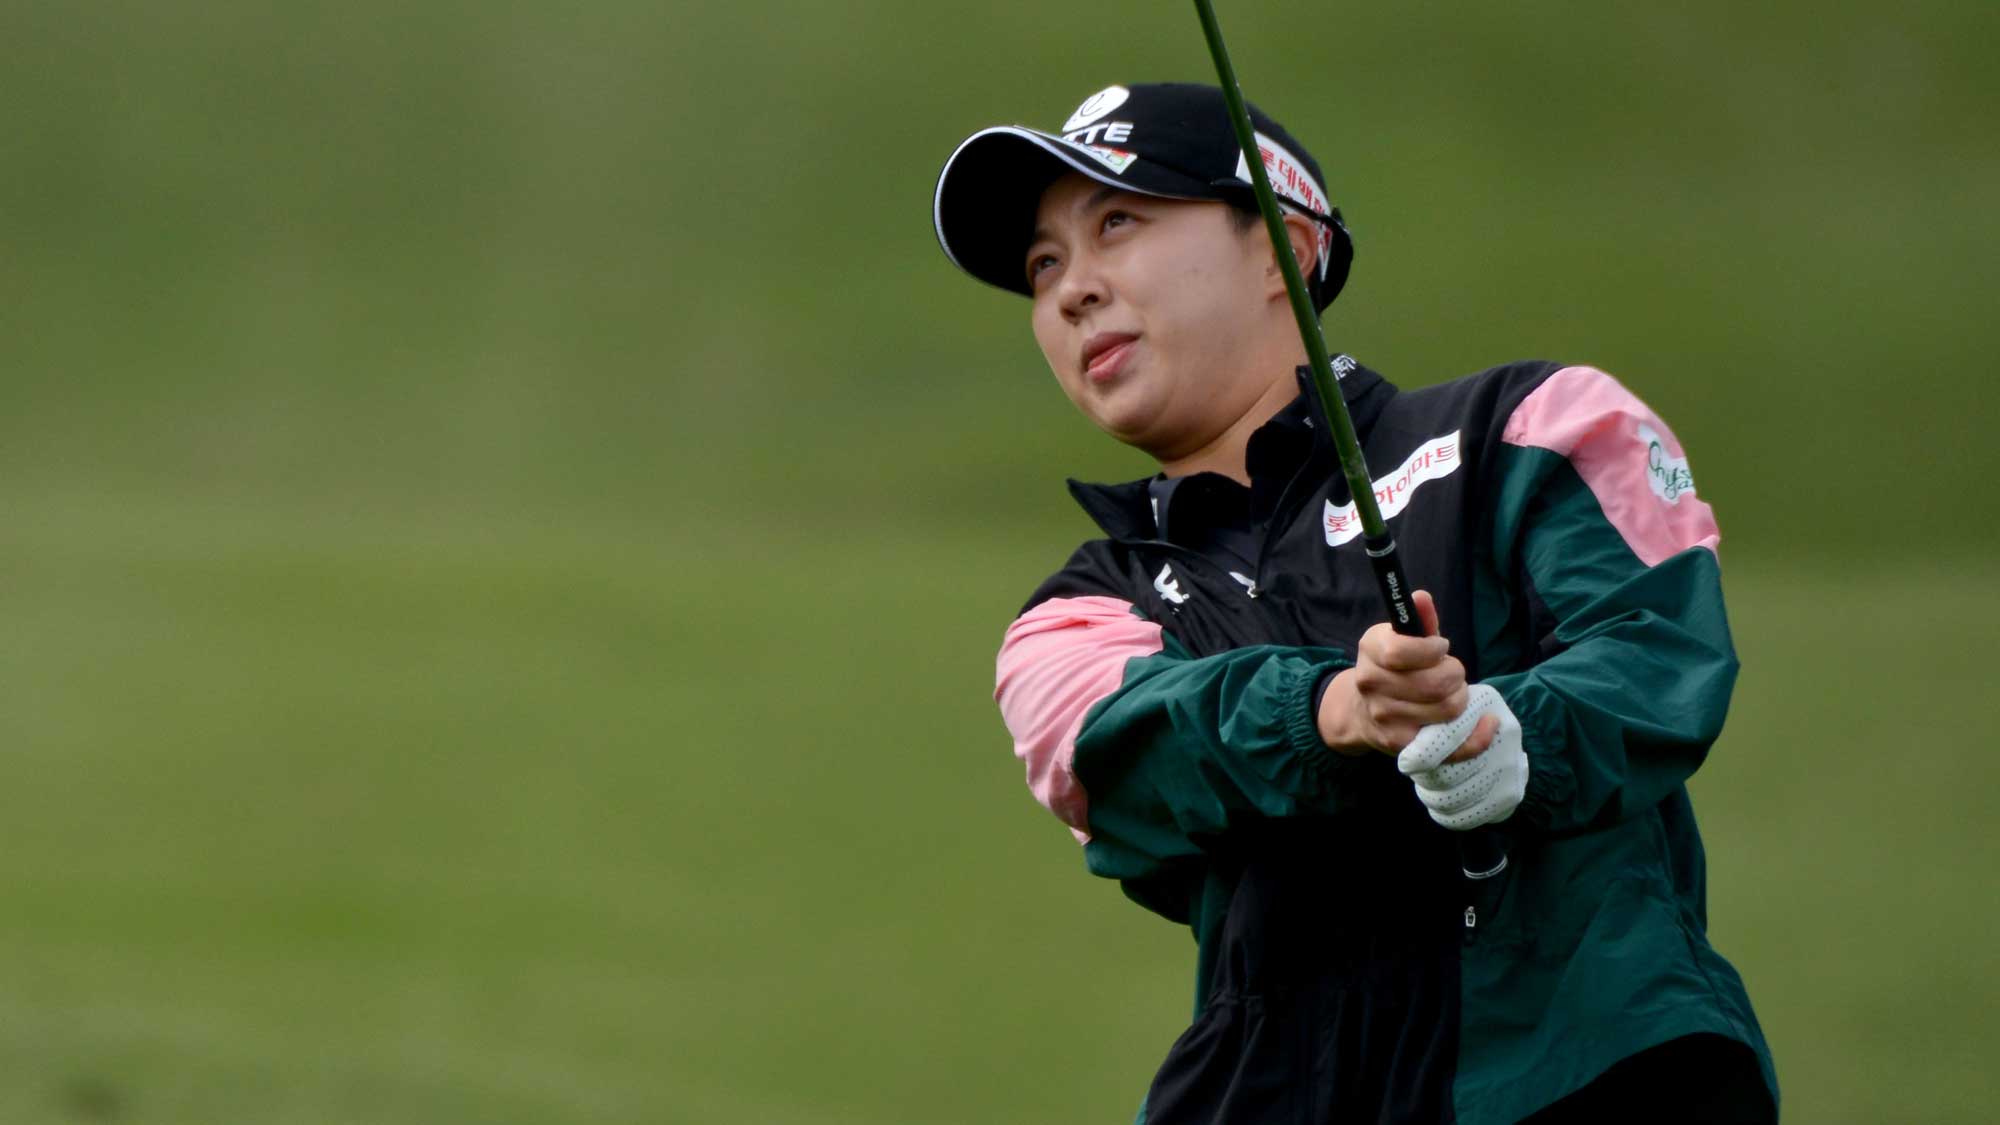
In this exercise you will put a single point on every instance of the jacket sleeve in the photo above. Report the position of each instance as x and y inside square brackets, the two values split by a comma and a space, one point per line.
[1150, 754]
[1596, 514]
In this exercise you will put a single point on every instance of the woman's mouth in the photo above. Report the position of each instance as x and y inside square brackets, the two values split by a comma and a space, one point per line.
[1105, 355]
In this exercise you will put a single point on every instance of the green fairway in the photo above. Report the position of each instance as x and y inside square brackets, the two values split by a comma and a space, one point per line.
[506, 517]
[356, 820]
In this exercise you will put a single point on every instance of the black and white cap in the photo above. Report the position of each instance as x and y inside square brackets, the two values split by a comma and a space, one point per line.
[1170, 139]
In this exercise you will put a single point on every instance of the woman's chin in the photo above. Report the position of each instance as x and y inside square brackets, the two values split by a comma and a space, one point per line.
[1131, 427]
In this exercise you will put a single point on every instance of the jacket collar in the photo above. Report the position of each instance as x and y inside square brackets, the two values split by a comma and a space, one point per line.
[1125, 511]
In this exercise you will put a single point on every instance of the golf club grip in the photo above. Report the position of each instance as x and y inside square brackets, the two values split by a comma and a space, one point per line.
[1482, 853]
[1394, 585]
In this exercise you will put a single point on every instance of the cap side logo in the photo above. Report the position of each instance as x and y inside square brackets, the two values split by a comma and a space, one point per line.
[1290, 180]
[1096, 106]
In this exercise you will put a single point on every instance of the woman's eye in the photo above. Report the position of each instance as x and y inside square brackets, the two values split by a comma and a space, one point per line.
[1116, 219]
[1038, 263]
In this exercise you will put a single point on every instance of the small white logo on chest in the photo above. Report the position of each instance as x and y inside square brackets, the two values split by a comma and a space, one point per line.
[1169, 586]
[1438, 457]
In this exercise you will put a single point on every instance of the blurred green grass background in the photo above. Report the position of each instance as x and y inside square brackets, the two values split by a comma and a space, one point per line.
[505, 515]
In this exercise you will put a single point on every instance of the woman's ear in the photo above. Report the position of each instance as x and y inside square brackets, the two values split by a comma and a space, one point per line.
[1305, 249]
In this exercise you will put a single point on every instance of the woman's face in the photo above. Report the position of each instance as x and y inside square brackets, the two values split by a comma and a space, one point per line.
[1142, 307]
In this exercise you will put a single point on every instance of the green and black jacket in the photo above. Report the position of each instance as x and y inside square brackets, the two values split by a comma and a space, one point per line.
[1164, 704]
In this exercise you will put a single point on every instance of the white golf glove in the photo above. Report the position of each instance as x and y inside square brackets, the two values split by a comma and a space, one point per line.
[1484, 790]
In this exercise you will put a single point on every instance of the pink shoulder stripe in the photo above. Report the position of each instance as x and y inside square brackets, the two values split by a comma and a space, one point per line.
[1632, 463]
[1057, 660]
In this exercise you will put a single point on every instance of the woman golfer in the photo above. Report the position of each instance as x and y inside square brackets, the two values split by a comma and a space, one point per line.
[1207, 697]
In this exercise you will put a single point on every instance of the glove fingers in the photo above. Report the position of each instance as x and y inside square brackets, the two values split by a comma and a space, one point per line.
[1463, 821]
[1460, 797]
[1447, 776]
[1434, 743]
[1496, 806]
[1480, 790]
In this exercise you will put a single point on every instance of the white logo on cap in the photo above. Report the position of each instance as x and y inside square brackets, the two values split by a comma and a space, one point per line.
[1096, 106]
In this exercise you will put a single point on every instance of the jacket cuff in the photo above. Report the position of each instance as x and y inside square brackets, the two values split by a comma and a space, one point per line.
[1299, 703]
[1551, 781]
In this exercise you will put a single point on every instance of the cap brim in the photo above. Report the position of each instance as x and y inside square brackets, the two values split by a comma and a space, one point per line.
[988, 191]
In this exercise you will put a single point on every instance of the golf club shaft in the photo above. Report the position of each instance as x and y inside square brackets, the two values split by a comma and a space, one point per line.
[1481, 853]
[1375, 536]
